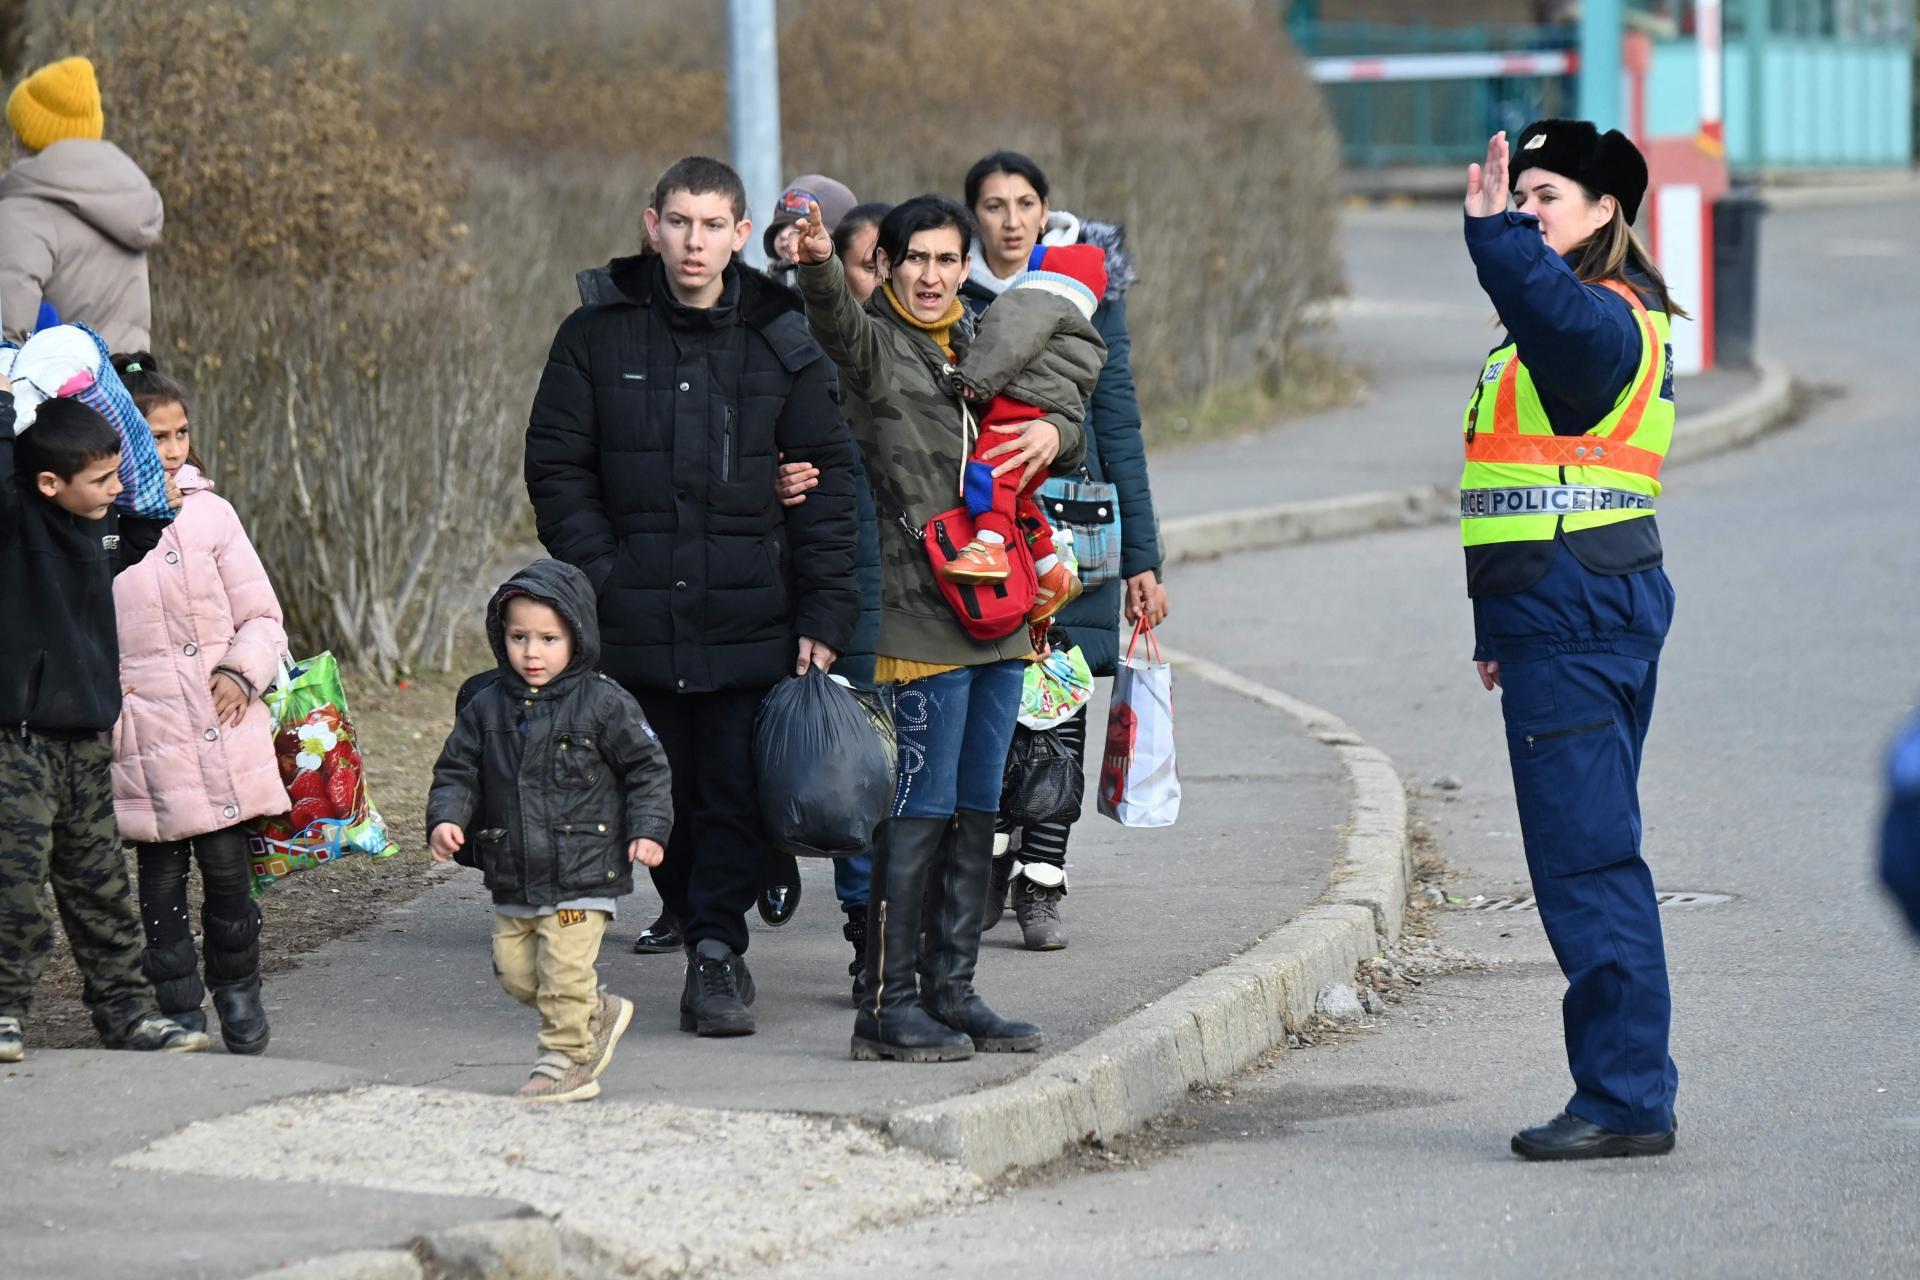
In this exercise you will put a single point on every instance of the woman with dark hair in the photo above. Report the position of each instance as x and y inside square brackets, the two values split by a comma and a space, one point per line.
[1564, 436]
[1009, 198]
[956, 697]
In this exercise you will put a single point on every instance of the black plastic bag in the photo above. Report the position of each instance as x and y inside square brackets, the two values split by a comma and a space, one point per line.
[825, 757]
[1043, 782]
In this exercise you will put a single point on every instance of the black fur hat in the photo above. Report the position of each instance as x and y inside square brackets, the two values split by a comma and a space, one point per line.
[1607, 162]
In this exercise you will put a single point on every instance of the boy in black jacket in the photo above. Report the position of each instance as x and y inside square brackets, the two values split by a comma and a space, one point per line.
[552, 784]
[60, 545]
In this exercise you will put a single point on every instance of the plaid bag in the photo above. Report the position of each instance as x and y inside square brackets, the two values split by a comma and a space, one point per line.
[70, 361]
[1091, 508]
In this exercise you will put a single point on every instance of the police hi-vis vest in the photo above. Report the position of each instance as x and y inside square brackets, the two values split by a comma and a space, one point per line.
[1522, 483]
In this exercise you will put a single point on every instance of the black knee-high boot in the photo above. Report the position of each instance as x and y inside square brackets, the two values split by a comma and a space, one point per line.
[953, 941]
[891, 1022]
[233, 971]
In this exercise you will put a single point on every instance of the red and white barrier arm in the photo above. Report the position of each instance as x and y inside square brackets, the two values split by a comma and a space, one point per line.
[1444, 66]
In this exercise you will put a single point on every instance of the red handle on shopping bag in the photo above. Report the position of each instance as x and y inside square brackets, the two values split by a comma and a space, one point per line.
[1142, 627]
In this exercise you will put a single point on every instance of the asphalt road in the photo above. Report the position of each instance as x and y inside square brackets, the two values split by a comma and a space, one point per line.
[1796, 649]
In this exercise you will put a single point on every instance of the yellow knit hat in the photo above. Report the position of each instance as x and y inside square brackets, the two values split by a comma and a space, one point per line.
[56, 102]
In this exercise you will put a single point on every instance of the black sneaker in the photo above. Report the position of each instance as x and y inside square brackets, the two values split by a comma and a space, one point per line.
[1037, 908]
[157, 1034]
[712, 1003]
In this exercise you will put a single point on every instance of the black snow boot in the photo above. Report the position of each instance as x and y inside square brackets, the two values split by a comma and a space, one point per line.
[947, 967]
[233, 972]
[855, 932]
[174, 970]
[891, 1023]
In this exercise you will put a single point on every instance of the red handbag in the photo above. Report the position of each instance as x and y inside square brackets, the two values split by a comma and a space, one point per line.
[986, 610]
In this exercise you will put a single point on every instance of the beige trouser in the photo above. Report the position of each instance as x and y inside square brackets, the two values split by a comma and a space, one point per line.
[547, 962]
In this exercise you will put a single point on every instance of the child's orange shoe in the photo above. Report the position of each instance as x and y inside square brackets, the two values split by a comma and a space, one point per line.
[1059, 587]
[977, 562]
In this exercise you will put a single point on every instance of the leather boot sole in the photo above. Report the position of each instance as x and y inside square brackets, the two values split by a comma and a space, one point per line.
[643, 947]
[865, 1050]
[1612, 1146]
[246, 1048]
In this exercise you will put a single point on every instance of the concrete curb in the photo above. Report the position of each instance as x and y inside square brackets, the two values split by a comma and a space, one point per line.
[1210, 1028]
[1287, 524]
[524, 1247]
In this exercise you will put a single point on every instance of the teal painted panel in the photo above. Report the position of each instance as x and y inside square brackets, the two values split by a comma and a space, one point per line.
[1673, 91]
[1829, 103]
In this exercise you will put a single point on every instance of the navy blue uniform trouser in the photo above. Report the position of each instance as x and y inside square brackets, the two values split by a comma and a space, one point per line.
[1579, 663]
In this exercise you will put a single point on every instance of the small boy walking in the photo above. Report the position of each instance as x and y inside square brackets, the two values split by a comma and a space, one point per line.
[61, 543]
[552, 784]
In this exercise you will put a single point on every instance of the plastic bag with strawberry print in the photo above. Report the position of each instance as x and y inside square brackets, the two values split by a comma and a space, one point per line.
[320, 764]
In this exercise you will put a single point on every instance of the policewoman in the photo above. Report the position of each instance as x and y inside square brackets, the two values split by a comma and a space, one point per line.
[1565, 433]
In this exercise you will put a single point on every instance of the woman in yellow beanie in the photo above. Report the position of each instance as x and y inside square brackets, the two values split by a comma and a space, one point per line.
[77, 216]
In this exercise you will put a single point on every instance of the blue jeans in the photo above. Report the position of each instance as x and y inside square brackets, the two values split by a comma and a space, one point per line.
[852, 881]
[954, 731]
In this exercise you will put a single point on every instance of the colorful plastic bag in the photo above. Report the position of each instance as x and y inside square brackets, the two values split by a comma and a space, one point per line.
[1055, 689]
[1138, 784]
[320, 763]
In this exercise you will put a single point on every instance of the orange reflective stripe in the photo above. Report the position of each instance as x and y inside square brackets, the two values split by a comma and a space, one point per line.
[1566, 451]
[1506, 411]
[1629, 424]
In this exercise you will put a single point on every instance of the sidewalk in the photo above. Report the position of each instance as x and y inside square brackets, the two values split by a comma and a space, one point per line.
[410, 1003]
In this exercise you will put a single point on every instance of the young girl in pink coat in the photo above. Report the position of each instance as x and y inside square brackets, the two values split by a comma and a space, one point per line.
[200, 640]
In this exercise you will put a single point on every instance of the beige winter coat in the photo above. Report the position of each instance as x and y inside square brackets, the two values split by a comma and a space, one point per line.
[76, 221]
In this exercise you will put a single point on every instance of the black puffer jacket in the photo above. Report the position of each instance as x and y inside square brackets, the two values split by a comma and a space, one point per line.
[650, 460]
[550, 784]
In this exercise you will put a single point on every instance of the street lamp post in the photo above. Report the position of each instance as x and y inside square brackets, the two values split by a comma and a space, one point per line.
[753, 101]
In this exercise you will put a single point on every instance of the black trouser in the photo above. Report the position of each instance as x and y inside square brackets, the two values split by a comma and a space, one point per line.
[1047, 841]
[227, 916]
[225, 876]
[711, 873]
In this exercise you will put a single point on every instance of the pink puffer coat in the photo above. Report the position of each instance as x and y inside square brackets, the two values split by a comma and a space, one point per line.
[199, 602]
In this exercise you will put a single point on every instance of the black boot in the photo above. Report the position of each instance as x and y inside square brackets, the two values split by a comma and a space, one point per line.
[855, 931]
[713, 1003]
[174, 971]
[891, 1023]
[946, 974]
[233, 971]
[1002, 878]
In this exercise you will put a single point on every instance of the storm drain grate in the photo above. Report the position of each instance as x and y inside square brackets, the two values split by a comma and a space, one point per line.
[1525, 902]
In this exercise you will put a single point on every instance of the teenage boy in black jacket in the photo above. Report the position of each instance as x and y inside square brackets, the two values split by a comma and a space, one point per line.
[650, 457]
[60, 545]
[552, 784]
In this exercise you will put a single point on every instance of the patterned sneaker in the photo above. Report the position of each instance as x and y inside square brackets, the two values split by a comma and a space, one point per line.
[1059, 587]
[609, 1024]
[157, 1033]
[977, 562]
[557, 1079]
[13, 1046]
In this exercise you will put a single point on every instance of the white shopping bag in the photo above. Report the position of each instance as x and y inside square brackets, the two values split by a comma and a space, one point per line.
[1138, 784]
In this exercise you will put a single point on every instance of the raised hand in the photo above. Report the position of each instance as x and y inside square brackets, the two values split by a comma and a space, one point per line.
[813, 243]
[1487, 183]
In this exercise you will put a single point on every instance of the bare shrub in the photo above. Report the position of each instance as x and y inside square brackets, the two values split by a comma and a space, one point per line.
[350, 396]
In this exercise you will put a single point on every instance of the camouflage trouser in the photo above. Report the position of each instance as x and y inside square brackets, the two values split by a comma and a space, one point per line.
[56, 824]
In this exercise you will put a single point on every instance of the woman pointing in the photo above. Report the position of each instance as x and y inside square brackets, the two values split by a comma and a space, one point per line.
[1565, 432]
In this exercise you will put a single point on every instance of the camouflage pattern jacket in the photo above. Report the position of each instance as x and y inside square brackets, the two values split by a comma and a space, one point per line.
[910, 429]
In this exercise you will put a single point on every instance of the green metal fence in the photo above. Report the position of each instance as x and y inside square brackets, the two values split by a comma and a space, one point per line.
[1431, 122]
